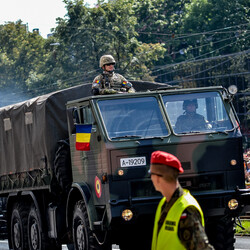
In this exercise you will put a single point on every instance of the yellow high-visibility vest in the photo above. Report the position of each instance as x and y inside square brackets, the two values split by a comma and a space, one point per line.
[168, 234]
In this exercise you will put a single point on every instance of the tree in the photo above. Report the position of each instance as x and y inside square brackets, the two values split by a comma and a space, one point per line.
[221, 27]
[146, 38]
[21, 52]
[88, 33]
[158, 22]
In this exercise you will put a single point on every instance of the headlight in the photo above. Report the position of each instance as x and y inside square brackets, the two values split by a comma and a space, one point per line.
[233, 204]
[233, 162]
[127, 214]
[120, 172]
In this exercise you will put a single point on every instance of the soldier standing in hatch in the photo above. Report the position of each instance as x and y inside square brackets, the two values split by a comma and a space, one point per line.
[110, 82]
[179, 220]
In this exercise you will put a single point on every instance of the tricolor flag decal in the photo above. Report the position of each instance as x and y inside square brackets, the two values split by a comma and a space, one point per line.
[83, 133]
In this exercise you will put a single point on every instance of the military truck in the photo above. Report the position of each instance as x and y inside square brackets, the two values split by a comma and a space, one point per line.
[74, 167]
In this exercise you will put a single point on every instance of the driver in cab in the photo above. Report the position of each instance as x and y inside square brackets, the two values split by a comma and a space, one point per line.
[190, 121]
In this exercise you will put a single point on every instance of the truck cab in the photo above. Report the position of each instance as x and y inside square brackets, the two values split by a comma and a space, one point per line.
[112, 177]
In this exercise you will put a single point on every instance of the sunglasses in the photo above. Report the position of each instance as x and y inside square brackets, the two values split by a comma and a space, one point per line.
[109, 64]
[151, 173]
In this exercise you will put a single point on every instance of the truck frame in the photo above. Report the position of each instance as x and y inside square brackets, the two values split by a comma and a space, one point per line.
[59, 194]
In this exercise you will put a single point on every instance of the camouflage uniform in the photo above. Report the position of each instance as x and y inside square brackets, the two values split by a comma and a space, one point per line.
[189, 122]
[190, 230]
[110, 83]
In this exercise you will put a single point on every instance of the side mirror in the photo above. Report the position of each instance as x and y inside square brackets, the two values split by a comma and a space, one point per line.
[94, 128]
[75, 115]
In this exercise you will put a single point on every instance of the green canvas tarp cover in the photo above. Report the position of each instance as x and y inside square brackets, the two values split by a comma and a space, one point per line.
[30, 130]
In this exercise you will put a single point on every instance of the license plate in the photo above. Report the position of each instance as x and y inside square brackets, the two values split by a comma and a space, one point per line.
[131, 162]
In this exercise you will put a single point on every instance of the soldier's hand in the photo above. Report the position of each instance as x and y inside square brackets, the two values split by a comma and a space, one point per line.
[131, 90]
[109, 91]
[123, 90]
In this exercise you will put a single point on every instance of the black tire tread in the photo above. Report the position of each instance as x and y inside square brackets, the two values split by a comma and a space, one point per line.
[80, 212]
[221, 234]
[22, 209]
[46, 243]
[62, 167]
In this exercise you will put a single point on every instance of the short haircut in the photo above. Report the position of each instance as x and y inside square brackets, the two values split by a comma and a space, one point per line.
[168, 173]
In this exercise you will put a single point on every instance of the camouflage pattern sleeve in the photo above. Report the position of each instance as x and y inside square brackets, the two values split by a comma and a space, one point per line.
[127, 85]
[191, 232]
[96, 85]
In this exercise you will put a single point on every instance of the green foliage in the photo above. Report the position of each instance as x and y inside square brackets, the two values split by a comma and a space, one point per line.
[145, 57]
[151, 39]
[158, 22]
[221, 27]
[88, 33]
[246, 225]
[21, 53]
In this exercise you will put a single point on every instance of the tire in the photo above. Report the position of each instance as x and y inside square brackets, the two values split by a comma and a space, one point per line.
[83, 237]
[37, 240]
[62, 166]
[221, 233]
[19, 227]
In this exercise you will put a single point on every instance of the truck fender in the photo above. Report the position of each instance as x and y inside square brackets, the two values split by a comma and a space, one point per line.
[80, 191]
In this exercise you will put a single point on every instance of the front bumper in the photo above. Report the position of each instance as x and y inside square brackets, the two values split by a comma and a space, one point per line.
[216, 203]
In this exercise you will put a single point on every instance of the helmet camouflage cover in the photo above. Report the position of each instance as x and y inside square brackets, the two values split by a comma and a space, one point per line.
[188, 102]
[106, 59]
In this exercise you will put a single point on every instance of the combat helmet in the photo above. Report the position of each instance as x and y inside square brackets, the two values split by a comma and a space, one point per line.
[106, 59]
[187, 102]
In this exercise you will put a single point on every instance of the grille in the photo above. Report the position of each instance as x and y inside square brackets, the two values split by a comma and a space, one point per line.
[143, 189]
[203, 182]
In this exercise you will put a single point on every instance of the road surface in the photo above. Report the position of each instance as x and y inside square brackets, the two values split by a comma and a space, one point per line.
[242, 243]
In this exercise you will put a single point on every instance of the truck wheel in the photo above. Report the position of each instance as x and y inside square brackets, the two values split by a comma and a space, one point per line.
[36, 238]
[221, 233]
[82, 236]
[34, 230]
[19, 227]
[81, 230]
[62, 166]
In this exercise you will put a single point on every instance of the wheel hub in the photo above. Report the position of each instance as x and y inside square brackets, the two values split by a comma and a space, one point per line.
[80, 237]
[17, 236]
[34, 236]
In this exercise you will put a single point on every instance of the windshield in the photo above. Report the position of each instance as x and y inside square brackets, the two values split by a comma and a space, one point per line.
[197, 112]
[133, 117]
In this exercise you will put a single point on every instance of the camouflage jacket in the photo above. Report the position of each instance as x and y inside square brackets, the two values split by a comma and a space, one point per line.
[190, 230]
[110, 83]
[190, 122]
